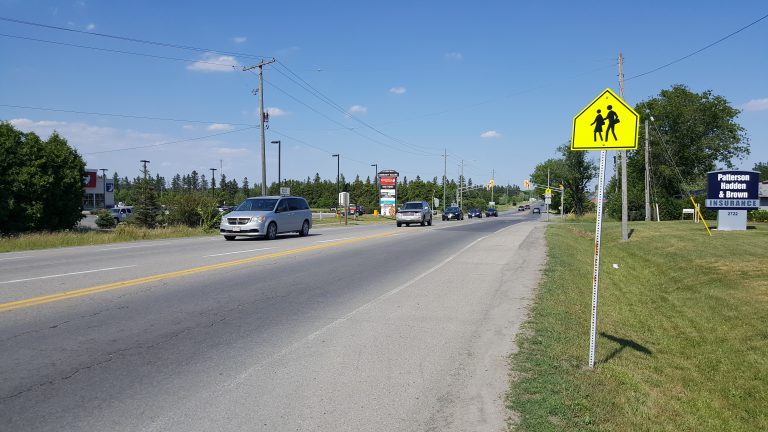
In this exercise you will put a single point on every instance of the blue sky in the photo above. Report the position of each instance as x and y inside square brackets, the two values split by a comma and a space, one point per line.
[495, 83]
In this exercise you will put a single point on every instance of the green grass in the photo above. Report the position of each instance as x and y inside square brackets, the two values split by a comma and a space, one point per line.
[683, 326]
[361, 220]
[85, 237]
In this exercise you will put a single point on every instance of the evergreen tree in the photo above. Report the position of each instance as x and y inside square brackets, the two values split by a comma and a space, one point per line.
[147, 206]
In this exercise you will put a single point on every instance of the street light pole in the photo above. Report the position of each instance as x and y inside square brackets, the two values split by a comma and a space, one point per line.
[104, 178]
[375, 174]
[213, 182]
[279, 179]
[338, 166]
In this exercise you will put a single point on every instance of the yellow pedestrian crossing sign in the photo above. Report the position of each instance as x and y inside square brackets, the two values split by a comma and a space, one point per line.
[607, 123]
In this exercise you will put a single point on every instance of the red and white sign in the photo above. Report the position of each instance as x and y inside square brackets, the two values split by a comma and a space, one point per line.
[388, 181]
[89, 180]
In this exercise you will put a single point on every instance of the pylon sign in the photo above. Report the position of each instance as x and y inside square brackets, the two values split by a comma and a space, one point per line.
[607, 123]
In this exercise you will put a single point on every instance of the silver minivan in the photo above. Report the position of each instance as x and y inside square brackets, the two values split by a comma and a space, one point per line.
[267, 217]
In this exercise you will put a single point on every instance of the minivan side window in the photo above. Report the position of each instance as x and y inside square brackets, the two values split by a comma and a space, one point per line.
[297, 204]
[283, 206]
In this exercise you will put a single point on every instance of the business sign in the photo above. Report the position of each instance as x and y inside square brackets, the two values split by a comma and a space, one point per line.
[388, 192]
[89, 179]
[607, 123]
[733, 190]
[110, 187]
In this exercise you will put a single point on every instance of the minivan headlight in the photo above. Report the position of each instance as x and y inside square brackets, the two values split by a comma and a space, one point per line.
[258, 219]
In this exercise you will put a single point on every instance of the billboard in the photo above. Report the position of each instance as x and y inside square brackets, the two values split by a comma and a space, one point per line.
[388, 192]
[733, 190]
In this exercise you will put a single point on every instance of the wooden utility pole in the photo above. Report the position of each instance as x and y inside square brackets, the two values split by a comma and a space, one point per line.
[445, 173]
[624, 209]
[261, 122]
[647, 174]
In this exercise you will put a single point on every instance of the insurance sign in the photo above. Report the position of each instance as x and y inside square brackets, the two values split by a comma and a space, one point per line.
[734, 190]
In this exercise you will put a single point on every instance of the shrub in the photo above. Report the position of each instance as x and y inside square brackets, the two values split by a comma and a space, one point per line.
[105, 220]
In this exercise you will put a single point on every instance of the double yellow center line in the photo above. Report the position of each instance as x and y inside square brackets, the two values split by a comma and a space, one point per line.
[34, 301]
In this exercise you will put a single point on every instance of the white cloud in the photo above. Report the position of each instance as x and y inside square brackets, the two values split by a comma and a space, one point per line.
[358, 109]
[239, 39]
[188, 127]
[220, 127]
[454, 56]
[275, 112]
[90, 27]
[212, 62]
[756, 105]
[398, 90]
[490, 134]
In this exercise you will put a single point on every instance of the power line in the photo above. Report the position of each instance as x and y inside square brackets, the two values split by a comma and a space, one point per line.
[129, 39]
[124, 115]
[700, 49]
[171, 142]
[118, 51]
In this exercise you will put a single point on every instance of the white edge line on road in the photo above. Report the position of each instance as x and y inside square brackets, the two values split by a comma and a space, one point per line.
[13, 258]
[66, 274]
[133, 247]
[237, 252]
[341, 320]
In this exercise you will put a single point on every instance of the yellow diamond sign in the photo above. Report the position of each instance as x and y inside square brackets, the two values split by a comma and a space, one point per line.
[607, 123]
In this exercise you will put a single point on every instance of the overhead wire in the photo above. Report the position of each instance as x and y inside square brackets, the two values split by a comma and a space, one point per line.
[171, 142]
[129, 39]
[119, 51]
[699, 50]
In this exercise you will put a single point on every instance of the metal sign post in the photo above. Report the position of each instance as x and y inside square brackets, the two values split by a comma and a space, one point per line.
[596, 272]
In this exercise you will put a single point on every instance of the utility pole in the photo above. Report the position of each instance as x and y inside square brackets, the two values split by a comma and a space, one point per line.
[213, 182]
[545, 198]
[624, 209]
[104, 180]
[261, 122]
[493, 182]
[445, 173]
[647, 174]
[461, 182]
[145, 162]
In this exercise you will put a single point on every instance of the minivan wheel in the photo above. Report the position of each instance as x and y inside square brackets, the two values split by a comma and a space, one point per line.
[271, 231]
[229, 238]
[399, 224]
[304, 229]
[429, 222]
[422, 222]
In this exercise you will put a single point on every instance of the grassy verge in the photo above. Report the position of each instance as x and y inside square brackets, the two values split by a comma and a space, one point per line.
[85, 237]
[683, 339]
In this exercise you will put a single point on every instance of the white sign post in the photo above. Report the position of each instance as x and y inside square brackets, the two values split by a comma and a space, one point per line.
[596, 272]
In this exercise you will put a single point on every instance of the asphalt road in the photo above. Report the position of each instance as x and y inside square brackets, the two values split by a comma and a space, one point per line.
[358, 328]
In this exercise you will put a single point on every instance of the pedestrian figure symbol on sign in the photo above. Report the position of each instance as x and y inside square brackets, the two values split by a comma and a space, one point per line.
[613, 119]
[599, 122]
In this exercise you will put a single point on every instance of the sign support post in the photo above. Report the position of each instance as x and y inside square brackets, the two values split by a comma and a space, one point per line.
[621, 123]
[596, 271]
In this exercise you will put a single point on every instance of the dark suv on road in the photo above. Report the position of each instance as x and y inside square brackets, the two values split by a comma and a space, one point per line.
[453, 213]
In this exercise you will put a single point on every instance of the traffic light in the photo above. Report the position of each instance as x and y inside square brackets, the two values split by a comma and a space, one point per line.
[490, 185]
[526, 184]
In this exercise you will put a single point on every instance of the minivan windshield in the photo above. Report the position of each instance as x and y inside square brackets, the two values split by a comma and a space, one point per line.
[257, 204]
[412, 206]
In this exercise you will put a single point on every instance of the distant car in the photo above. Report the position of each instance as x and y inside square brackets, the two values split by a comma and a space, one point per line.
[536, 210]
[474, 212]
[490, 211]
[267, 217]
[521, 208]
[527, 206]
[120, 214]
[414, 212]
[453, 213]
